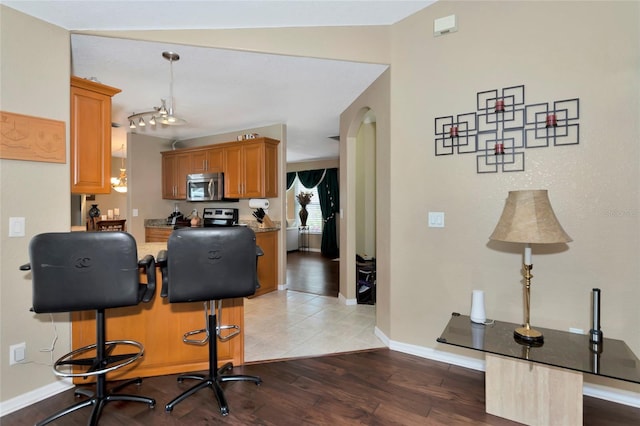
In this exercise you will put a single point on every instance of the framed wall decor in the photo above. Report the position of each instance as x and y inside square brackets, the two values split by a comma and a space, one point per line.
[503, 127]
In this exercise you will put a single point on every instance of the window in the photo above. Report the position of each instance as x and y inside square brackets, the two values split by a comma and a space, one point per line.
[314, 220]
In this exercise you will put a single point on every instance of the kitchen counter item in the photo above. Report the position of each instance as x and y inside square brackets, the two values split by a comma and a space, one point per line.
[196, 220]
[259, 214]
[216, 216]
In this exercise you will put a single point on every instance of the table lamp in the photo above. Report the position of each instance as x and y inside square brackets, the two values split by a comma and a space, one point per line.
[529, 219]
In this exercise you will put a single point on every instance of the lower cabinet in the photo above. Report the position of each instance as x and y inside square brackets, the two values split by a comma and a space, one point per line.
[157, 235]
[268, 263]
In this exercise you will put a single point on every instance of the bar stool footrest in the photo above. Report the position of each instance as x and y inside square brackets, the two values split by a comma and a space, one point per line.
[86, 356]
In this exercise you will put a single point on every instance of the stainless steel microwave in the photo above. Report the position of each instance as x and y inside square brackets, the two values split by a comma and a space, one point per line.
[205, 187]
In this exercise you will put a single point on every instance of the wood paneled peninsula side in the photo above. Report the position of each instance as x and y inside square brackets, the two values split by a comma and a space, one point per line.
[159, 326]
[157, 231]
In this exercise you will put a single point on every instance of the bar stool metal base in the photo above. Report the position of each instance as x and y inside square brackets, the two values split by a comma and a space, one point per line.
[98, 365]
[215, 377]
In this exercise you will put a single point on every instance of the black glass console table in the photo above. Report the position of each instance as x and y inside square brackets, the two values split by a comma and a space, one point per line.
[539, 384]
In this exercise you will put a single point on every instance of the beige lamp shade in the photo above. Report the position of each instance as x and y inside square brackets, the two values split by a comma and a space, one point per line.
[529, 218]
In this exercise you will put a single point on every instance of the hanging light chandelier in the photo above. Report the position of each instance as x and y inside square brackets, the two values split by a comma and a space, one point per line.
[163, 114]
[119, 183]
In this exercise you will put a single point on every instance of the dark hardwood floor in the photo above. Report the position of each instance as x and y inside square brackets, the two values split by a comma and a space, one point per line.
[377, 387]
[310, 272]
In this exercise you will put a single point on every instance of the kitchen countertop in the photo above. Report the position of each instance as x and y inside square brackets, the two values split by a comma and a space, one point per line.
[254, 225]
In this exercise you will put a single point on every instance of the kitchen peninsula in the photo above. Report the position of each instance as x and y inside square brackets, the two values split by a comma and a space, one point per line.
[159, 326]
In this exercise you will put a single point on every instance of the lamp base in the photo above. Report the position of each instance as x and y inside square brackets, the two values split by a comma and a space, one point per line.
[528, 335]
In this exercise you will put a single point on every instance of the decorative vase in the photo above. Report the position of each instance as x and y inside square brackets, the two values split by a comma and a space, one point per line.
[304, 214]
[94, 211]
[195, 219]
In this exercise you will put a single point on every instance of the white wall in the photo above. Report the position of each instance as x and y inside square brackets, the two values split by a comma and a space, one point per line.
[145, 182]
[593, 186]
[585, 182]
[37, 191]
[366, 189]
[376, 98]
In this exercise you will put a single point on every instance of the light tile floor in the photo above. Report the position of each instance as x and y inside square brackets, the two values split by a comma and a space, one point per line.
[287, 324]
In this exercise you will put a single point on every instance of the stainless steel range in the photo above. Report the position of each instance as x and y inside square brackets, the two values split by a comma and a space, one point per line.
[214, 216]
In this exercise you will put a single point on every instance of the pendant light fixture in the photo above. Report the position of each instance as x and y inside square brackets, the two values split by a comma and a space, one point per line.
[119, 183]
[164, 115]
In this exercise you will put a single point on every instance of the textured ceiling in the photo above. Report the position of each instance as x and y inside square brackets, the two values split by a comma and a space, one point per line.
[216, 90]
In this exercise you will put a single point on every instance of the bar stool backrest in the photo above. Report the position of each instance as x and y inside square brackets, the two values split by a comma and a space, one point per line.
[211, 263]
[76, 271]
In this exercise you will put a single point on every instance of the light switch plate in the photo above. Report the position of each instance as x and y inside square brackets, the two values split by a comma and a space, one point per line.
[436, 219]
[16, 226]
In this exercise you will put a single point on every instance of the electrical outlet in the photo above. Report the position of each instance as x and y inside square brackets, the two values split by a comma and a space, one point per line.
[17, 353]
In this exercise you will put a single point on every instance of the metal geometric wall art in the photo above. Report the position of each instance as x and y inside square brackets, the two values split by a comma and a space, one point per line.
[503, 127]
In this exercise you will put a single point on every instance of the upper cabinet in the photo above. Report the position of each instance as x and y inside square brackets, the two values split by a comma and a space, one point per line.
[176, 165]
[90, 136]
[207, 160]
[250, 168]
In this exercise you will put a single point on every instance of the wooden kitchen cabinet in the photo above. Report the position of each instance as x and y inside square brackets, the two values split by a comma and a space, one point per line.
[250, 169]
[233, 169]
[268, 263]
[175, 167]
[208, 160]
[157, 235]
[90, 136]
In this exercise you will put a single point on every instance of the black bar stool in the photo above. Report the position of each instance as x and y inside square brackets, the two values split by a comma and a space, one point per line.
[78, 271]
[208, 265]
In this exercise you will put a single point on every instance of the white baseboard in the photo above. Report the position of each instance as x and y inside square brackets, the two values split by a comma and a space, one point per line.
[607, 393]
[618, 396]
[36, 395]
[348, 302]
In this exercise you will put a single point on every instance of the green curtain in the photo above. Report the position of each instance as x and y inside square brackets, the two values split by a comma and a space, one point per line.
[329, 195]
[311, 178]
[291, 177]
